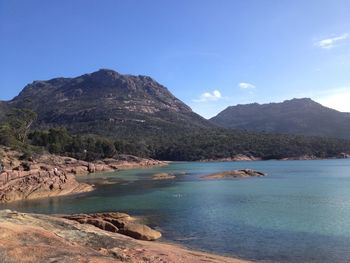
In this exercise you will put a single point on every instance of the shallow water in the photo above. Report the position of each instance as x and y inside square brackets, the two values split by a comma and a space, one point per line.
[300, 212]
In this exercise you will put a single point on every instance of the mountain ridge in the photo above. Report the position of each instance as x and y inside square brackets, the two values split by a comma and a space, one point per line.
[99, 114]
[296, 116]
[106, 98]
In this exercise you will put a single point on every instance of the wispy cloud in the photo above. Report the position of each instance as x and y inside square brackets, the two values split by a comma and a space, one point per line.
[246, 85]
[209, 96]
[331, 42]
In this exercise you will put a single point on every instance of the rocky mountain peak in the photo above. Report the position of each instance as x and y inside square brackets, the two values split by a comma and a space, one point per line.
[106, 98]
[104, 74]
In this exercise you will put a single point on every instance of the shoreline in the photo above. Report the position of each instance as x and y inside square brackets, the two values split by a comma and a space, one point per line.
[52, 175]
[254, 159]
[171, 250]
[47, 237]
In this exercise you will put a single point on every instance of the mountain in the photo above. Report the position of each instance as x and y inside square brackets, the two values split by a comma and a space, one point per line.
[296, 116]
[109, 104]
[136, 115]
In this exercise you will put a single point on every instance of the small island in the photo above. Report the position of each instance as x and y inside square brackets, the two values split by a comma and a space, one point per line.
[234, 174]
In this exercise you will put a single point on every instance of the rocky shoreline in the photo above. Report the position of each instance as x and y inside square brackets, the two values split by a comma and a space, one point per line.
[116, 222]
[235, 158]
[242, 157]
[28, 238]
[51, 175]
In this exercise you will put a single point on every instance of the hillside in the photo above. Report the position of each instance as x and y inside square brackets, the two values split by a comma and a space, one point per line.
[296, 116]
[99, 115]
[109, 104]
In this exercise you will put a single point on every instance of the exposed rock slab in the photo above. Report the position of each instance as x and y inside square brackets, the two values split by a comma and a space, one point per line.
[43, 177]
[235, 174]
[51, 175]
[28, 238]
[118, 223]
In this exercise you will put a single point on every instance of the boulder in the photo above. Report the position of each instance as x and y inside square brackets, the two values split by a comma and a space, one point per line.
[91, 168]
[79, 170]
[117, 222]
[139, 231]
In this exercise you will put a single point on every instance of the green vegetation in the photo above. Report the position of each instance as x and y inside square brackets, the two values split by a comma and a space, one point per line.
[14, 131]
[180, 145]
[223, 143]
[59, 141]
[189, 147]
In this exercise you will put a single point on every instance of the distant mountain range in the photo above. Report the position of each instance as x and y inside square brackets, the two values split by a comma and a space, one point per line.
[296, 116]
[108, 103]
[139, 116]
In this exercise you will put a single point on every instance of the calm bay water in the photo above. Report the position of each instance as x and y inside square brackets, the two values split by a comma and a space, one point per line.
[300, 212]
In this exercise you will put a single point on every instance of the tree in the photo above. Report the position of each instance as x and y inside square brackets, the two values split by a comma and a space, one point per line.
[20, 121]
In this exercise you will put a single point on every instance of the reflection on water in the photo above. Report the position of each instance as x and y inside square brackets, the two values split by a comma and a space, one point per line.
[298, 213]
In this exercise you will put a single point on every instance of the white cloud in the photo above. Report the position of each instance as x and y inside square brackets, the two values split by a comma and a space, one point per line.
[209, 96]
[337, 99]
[245, 85]
[329, 43]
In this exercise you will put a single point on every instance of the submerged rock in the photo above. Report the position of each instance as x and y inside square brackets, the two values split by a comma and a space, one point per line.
[163, 176]
[235, 174]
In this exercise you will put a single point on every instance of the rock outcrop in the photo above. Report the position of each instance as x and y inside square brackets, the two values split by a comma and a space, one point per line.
[28, 238]
[237, 157]
[140, 231]
[302, 157]
[117, 223]
[30, 179]
[51, 175]
[235, 174]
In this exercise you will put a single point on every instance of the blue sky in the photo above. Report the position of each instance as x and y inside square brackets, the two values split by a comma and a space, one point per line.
[210, 54]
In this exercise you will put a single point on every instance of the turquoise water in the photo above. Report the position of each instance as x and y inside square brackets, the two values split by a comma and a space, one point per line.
[300, 212]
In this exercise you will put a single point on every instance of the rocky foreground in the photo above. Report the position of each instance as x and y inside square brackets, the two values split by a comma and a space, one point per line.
[235, 174]
[51, 175]
[28, 238]
[117, 223]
